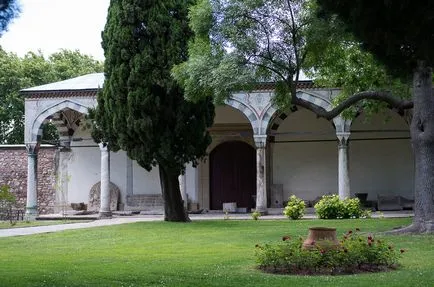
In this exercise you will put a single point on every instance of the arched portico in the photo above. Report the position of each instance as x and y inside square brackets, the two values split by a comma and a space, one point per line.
[64, 103]
[266, 118]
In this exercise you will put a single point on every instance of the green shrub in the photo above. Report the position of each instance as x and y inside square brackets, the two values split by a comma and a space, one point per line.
[255, 215]
[331, 207]
[7, 202]
[7, 198]
[294, 208]
[356, 253]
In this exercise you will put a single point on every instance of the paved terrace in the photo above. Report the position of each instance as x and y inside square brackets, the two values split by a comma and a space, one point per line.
[140, 218]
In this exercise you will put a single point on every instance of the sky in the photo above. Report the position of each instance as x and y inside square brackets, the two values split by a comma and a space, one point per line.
[50, 25]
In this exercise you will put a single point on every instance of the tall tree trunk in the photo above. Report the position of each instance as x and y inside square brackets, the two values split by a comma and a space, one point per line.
[173, 207]
[422, 139]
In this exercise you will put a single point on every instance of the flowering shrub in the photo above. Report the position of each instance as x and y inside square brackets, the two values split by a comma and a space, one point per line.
[331, 207]
[294, 208]
[356, 253]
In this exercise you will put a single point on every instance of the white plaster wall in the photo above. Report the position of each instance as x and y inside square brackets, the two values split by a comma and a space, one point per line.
[84, 171]
[305, 156]
[381, 166]
[191, 183]
[145, 182]
[309, 169]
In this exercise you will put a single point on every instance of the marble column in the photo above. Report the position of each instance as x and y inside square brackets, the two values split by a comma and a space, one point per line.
[104, 211]
[343, 166]
[261, 182]
[130, 176]
[65, 155]
[183, 188]
[32, 181]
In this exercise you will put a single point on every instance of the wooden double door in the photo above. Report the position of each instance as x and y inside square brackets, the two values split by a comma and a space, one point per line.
[233, 175]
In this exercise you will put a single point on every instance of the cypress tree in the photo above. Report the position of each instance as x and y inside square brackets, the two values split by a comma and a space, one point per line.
[141, 109]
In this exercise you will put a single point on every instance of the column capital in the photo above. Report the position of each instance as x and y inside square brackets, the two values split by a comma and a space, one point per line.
[260, 140]
[32, 148]
[103, 146]
[343, 139]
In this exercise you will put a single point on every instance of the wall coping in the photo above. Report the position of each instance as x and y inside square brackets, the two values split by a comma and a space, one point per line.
[23, 146]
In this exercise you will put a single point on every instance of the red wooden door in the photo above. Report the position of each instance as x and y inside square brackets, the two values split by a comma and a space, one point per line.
[232, 174]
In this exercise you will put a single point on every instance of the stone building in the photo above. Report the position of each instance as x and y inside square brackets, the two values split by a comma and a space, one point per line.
[258, 158]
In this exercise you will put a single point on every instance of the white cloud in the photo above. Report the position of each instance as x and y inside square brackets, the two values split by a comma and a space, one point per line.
[50, 25]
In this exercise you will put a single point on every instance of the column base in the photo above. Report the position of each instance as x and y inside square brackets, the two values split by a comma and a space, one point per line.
[31, 214]
[262, 211]
[105, 214]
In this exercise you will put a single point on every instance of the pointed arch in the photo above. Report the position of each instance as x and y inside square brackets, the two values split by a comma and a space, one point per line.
[276, 117]
[36, 131]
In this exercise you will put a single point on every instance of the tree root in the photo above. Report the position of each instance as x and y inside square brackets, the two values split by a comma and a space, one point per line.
[414, 228]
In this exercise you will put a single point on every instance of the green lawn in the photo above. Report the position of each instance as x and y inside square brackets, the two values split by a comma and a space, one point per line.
[201, 253]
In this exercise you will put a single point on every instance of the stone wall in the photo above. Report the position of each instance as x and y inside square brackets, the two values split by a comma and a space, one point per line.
[13, 172]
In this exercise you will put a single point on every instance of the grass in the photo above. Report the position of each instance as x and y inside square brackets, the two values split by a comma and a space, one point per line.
[201, 253]
[19, 224]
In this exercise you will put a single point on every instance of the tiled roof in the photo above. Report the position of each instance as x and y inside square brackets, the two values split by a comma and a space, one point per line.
[88, 85]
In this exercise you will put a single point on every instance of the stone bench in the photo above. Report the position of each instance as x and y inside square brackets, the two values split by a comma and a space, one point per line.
[393, 202]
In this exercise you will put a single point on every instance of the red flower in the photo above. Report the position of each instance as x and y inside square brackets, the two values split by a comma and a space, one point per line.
[313, 242]
[286, 237]
[401, 250]
[369, 237]
[322, 251]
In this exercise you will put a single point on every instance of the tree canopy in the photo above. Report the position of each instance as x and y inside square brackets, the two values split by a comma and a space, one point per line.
[9, 9]
[141, 109]
[238, 43]
[400, 35]
[34, 69]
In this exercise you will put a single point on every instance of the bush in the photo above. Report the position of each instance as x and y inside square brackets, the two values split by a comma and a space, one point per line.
[256, 215]
[356, 253]
[331, 207]
[294, 208]
[7, 202]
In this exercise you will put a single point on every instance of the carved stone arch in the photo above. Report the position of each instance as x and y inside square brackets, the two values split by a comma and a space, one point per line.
[246, 110]
[36, 131]
[276, 116]
[315, 99]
